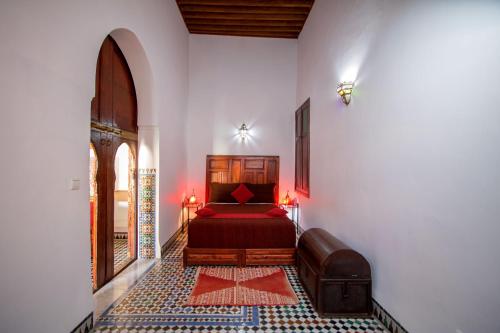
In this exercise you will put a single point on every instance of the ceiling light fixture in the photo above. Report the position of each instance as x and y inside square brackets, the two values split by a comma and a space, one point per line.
[243, 131]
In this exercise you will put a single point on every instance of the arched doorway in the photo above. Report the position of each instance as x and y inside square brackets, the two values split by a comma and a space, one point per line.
[124, 207]
[114, 139]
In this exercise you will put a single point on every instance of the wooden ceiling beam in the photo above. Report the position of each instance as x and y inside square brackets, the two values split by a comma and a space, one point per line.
[243, 9]
[242, 16]
[257, 18]
[254, 3]
[245, 22]
[248, 34]
[244, 28]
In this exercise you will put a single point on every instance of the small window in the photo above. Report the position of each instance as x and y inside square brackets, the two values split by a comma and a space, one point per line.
[302, 150]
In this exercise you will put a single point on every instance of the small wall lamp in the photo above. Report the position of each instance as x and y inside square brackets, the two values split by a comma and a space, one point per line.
[243, 131]
[344, 89]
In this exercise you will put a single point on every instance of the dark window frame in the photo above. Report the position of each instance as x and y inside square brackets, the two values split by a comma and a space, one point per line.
[302, 149]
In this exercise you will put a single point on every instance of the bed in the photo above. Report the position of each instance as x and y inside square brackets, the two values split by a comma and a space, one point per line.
[241, 234]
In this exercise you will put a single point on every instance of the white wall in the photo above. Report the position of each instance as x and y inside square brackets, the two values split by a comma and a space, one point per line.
[408, 173]
[120, 216]
[47, 60]
[234, 80]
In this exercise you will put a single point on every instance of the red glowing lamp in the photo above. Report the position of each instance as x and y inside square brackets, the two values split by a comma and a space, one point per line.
[192, 199]
[287, 201]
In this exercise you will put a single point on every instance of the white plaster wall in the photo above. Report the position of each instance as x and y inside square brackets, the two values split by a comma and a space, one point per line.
[234, 80]
[47, 59]
[121, 216]
[408, 173]
[171, 90]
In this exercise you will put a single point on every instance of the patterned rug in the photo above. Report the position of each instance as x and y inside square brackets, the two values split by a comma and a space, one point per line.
[242, 286]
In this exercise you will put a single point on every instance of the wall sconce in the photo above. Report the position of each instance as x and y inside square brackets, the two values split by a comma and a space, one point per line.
[344, 89]
[243, 131]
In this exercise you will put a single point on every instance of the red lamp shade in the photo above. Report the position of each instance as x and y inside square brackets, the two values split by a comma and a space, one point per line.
[192, 199]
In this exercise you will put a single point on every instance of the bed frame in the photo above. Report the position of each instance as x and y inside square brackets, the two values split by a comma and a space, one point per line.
[244, 169]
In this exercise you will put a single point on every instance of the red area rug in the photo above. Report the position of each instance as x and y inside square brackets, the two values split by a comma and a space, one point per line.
[242, 286]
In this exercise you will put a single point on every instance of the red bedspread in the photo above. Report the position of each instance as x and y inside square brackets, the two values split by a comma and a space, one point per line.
[241, 227]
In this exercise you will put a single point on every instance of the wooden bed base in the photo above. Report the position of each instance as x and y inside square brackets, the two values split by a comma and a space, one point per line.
[239, 257]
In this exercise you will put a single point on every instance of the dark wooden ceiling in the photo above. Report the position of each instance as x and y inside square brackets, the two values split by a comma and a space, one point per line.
[256, 18]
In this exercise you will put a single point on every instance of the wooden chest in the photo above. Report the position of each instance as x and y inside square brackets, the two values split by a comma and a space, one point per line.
[336, 278]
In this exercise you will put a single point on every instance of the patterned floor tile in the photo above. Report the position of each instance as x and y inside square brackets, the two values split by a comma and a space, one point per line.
[157, 304]
[121, 259]
[120, 250]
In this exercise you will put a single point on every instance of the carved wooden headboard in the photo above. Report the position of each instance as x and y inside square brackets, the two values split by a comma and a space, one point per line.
[242, 169]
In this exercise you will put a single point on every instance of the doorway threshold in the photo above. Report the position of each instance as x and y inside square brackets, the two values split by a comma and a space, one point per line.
[120, 284]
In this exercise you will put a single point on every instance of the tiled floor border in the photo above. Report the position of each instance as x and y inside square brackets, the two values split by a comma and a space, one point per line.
[169, 242]
[130, 287]
[86, 325]
[386, 319]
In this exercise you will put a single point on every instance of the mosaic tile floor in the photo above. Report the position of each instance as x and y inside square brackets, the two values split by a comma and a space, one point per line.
[121, 258]
[155, 304]
[121, 254]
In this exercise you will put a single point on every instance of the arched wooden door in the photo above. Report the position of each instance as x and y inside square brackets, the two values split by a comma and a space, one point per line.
[113, 122]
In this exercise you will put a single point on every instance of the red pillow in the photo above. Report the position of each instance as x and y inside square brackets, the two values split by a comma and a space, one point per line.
[277, 212]
[242, 194]
[205, 212]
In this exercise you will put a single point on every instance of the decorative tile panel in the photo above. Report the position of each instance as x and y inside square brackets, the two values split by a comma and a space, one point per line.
[147, 213]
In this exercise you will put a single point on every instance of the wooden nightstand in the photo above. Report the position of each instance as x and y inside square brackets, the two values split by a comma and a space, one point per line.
[188, 206]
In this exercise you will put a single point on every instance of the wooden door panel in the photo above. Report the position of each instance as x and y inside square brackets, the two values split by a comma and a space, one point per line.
[298, 164]
[249, 177]
[113, 108]
[115, 90]
[235, 170]
[104, 87]
[305, 163]
[271, 171]
[254, 164]
[219, 177]
[260, 178]
[107, 202]
[302, 149]
[99, 140]
[124, 98]
[219, 164]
